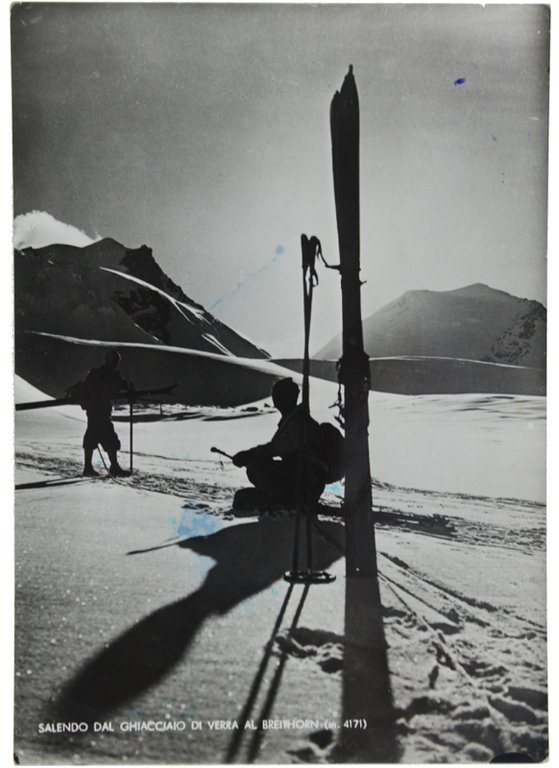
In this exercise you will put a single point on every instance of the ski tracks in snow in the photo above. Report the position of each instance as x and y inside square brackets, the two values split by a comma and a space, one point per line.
[477, 685]
[466, 646]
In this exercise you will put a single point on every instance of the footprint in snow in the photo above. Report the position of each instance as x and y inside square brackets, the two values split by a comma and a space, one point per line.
[325, 648]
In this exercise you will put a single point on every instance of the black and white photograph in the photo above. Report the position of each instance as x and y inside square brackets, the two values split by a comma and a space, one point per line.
[280, 296]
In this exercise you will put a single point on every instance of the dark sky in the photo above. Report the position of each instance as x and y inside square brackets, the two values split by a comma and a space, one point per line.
[203, 131]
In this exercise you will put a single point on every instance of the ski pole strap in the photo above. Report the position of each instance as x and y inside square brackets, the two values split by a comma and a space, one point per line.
[311, 248]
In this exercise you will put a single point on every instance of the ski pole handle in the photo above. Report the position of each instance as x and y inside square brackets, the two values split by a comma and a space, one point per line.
[213, 449]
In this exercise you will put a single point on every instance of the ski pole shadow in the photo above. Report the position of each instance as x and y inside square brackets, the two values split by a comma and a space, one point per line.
[54, 483]
[273, 688]
[248, 707]
[249, 557]
[267, 707]
[328, 546]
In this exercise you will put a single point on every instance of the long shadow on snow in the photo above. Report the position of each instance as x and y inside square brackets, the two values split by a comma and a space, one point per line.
[249, 558]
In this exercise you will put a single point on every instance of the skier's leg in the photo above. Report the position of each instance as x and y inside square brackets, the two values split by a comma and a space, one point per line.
[273, 478]
[113, 458]
[111, 444]
[115, 469]
[88, 470]
[89, 444]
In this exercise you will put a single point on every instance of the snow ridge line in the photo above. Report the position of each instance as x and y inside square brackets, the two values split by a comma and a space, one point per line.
[264, 365]
[199, 314]
[180, 306]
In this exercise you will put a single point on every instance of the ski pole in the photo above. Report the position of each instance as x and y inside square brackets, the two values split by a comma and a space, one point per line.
[131, 403]
[102, 457]
[213, 449]
[131, 398]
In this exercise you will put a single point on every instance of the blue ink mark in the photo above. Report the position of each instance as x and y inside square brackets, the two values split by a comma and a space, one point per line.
[197, 524]
[494, 138]
[460, 81]
[335, 487]
[279, 251]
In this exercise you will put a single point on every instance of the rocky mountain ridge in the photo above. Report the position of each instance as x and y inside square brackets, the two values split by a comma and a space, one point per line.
[106, 292]
[476, 322]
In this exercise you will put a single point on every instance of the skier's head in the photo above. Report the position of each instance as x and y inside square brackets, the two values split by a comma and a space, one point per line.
[112, 360]
[284, 395]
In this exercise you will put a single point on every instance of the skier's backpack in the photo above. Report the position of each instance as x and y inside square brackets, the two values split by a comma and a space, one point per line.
[332, 451]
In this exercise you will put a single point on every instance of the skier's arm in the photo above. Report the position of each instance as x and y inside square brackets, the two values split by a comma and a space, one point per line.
[129, 389]
[242, 458]
[125, 386]
[284, 443]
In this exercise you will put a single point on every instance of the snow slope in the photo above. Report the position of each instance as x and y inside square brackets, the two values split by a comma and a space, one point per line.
[143, 599]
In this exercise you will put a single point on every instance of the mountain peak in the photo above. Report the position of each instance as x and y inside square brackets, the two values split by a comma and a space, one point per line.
[475, 322]
[478, 289]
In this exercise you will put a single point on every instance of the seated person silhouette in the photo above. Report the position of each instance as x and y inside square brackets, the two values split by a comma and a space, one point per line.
[273, 467]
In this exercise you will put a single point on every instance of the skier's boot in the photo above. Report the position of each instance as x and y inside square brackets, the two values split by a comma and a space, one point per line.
[253, 501]
[89, 472]
[249, 500]
[116, 470]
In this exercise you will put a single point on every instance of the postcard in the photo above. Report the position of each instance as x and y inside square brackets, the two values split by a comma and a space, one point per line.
[280, 382]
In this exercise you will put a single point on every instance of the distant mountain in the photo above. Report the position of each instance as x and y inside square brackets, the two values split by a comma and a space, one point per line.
[106, 292]
[472, 323]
